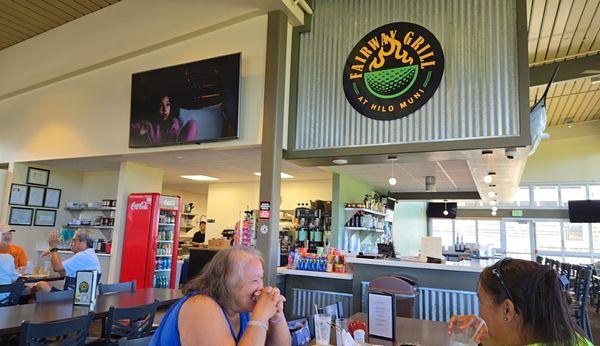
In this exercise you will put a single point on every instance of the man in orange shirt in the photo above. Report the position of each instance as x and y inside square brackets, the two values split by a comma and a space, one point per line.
[7, 247]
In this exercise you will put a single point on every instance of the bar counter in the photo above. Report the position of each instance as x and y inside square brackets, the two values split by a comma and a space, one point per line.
[474, 265]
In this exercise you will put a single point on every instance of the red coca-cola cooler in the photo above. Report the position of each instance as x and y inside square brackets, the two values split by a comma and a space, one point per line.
[151, 240]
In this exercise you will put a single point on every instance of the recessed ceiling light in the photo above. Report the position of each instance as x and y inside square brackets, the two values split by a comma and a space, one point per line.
[179, 157]
[199, 177]
[340, 161]
[283, 175]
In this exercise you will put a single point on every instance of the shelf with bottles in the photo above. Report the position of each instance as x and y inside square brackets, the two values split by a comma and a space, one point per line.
[189, 215]
[88, 226]
[90, 209]
[365, 229]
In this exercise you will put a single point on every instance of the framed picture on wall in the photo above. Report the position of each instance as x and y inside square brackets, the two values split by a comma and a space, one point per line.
[52, 198]
[37, 176]
[20, 216]
[35, 197]
[18, 194]
[44, 217]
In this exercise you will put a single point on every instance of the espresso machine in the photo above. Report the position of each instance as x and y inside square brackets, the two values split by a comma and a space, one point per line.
[311, 226]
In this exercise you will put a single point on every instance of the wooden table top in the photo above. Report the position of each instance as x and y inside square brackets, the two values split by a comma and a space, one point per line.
[412, 331]
[12, 316]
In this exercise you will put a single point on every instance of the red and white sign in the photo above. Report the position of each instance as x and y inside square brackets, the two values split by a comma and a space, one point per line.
[264, 210]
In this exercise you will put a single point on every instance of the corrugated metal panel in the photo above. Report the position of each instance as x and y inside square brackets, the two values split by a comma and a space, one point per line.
[478, 95]
[305, 301]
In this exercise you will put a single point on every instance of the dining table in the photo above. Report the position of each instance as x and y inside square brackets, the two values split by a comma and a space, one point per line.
[11, 317]
[409, 331]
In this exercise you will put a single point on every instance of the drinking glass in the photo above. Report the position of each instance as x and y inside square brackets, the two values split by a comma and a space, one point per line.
[341, 324]
[466, 336]
[322, 328]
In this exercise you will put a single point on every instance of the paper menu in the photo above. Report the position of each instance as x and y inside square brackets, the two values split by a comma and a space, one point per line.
[431, 247]
[382, 316]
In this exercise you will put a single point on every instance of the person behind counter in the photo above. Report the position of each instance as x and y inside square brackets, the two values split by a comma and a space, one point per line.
[7, 247]
[199, 236]
[523, 303]
[227, 304]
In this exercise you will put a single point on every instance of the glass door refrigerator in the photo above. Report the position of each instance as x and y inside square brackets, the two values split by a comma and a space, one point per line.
[151, 240]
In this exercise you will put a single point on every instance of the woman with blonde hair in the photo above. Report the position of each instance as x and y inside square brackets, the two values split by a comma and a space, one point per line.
[227, 304]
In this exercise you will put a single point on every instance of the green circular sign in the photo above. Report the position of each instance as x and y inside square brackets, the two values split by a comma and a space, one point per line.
[393, 71]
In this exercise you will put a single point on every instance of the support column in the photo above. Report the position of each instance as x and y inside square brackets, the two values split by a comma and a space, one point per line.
[272, 138]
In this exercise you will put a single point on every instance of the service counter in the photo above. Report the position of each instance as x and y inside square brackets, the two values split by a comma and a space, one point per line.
[304, 289]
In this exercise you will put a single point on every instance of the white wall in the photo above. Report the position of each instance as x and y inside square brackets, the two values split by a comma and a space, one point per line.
[133, 178]
[88, 114]
[68, 181]
[199, 200]
[3, 188]
[410, 224]
[97, 186]
[227, 200]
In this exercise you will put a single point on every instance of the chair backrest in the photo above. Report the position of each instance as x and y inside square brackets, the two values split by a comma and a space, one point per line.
[539, 259]
[45, 297]
[131, 323]
[547, 261]
[11, 293]
[72, 331]
[135, 342]
[336, 310]
[118, 287]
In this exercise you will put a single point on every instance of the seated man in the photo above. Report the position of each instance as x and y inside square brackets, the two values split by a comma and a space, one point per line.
[84, 257]
[7, 247]
[8, 274]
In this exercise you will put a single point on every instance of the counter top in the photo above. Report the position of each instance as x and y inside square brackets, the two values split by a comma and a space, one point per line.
[326, 275]
[475, 266]
[71, 253]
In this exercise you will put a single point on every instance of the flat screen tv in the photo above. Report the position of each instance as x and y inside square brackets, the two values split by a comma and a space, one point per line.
[584, 211]
[437, 210]
[190, 103]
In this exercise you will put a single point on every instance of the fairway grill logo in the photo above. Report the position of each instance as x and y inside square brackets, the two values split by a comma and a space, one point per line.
[393, 71]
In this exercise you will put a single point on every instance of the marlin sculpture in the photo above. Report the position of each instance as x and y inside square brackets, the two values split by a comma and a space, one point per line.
[538, 118]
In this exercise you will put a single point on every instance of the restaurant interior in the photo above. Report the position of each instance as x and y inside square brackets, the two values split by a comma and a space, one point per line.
[347, 206]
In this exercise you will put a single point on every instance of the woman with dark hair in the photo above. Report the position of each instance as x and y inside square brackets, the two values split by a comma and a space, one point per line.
[165, 126]
[523, 303]
[227, 304]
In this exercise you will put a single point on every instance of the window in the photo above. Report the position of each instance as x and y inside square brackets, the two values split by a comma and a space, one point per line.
[489, 233]
[577, 237]
[571, 193]
[522, 198]
[596, 237]
[594, 191]
[442, 228]
[547, 235]
[545, 196]
[518, 242]
[465, 229]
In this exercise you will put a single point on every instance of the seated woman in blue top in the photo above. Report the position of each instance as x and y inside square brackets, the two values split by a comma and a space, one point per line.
[227, 304]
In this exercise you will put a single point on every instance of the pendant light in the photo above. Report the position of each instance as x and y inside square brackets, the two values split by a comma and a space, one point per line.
[445, 212]
[392, 181]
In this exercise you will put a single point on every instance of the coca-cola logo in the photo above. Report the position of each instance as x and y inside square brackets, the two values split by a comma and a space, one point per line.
[139, 206]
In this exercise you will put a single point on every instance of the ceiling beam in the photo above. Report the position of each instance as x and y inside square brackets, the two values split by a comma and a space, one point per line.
[428, 196]
[571, 69]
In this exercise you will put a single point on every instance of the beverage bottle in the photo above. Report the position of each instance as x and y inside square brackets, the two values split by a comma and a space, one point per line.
[157, 264]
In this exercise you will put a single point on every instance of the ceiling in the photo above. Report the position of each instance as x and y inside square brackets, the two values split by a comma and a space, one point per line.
[233, 165]
[23, 19]
[560, 31]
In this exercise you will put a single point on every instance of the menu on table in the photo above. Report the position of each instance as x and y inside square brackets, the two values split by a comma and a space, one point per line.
[382, 315]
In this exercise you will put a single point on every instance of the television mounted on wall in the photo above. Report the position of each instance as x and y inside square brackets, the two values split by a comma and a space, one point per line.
[194, 102]
[584, 211]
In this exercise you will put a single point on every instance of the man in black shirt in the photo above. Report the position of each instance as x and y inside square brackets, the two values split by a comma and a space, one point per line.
[199, 236]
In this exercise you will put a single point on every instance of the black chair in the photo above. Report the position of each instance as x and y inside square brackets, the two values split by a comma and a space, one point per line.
[135, 342]
[336, 310]
[43, 297]
[118, 287]
[72, 331]
[582, 294]
[547, 261]
[130, 323]
[13, 293]
[539, 259]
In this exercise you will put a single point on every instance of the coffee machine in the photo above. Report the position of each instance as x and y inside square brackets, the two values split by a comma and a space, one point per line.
[312, 225]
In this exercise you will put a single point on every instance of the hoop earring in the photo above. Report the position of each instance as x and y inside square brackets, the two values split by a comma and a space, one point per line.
[506, 318]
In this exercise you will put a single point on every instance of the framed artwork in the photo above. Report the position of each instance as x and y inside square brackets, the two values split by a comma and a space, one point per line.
[52, 198]
[35, 197]
[20, 216]
[37, 176]
[44, 217]
[18, 194]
